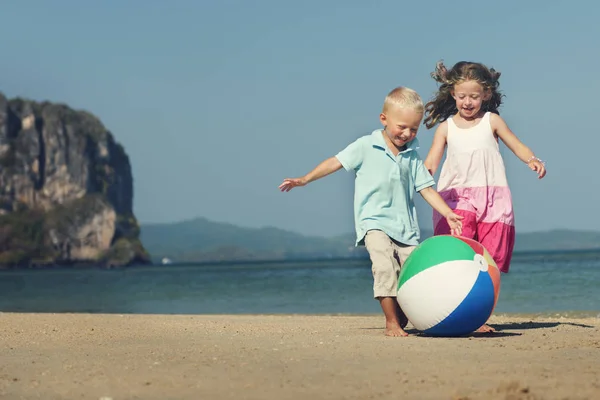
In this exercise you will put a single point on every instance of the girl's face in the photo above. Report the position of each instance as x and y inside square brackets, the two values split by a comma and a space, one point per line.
[469, 96]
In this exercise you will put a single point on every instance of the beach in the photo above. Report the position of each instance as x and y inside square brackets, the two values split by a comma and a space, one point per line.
[129, 356]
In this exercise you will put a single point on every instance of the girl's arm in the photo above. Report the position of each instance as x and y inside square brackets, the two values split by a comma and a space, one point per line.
[436, 152]
[520, 150]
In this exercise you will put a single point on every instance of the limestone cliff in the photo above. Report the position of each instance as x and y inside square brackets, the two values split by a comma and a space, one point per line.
[66, 189]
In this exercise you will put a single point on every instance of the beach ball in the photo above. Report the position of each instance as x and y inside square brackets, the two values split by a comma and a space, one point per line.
[448, 286]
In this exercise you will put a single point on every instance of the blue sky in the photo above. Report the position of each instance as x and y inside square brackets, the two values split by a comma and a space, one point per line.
[217, 101]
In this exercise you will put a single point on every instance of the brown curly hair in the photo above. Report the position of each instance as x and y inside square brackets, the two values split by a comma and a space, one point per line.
[443, 105]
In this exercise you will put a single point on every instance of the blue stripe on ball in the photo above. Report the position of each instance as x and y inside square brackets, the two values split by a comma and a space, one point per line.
[472, 313]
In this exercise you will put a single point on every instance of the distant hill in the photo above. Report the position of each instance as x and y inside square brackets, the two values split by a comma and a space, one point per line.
[203, 240]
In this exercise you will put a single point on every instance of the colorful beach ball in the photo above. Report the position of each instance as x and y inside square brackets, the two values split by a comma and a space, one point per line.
[448, 286]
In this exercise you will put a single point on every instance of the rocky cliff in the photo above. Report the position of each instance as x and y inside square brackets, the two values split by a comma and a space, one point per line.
[66, 189]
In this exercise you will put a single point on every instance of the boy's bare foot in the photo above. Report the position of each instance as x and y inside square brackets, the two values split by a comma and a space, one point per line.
[393, 313]
[485, 329]
[393, 329]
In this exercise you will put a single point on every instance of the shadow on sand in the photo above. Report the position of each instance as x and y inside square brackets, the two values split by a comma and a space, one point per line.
[477, 335]
[500, 328]
[414, 332]
[535, 325]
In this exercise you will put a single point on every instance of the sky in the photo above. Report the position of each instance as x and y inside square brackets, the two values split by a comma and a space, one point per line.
[217, 101]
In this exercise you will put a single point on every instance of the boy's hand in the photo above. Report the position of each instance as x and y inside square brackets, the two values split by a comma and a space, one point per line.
[325, 168]
[290, 183]
[455, 223]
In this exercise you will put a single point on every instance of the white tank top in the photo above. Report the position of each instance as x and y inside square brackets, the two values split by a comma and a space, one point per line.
[473, 157]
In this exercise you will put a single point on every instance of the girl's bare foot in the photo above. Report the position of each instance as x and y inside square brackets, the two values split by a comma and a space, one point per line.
[485, 329]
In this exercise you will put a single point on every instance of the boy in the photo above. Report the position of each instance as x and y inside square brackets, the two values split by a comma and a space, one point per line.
[388, 173]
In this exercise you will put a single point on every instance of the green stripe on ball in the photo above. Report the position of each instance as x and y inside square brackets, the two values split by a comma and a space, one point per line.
[433, 251]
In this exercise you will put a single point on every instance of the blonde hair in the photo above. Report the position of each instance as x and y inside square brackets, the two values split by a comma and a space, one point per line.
[404, 97]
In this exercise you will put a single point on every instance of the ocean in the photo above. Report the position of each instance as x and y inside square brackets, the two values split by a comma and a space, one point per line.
[556, 284]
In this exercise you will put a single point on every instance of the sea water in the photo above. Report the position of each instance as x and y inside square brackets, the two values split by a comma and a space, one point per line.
[567, 286]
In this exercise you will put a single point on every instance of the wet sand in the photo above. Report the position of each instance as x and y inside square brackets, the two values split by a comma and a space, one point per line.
[206, 357]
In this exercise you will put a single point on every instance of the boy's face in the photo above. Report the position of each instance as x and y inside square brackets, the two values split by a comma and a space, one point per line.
[401, 124]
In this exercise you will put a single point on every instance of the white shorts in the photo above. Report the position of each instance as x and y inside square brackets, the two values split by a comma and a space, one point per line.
[387, 257]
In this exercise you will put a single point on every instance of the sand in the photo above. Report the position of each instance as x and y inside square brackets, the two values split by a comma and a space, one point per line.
[206, 357]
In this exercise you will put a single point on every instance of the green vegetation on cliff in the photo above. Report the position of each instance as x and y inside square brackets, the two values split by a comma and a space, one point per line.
[22, 239]
[33, 238]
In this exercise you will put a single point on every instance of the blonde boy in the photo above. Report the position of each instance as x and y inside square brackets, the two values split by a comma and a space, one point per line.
[388, 172]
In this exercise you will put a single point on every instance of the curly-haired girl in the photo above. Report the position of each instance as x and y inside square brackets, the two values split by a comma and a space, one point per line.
[473, 178]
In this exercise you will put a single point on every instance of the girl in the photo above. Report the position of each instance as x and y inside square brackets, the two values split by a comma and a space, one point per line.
[473, 179]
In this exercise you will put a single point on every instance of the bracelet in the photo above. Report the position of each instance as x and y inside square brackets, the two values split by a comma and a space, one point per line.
[534, 158]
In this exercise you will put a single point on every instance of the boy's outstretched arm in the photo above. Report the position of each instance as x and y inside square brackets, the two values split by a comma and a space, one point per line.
[325, 168]
[435, 200]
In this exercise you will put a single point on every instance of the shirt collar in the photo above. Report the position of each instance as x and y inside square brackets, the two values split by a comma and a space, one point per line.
[379, 141]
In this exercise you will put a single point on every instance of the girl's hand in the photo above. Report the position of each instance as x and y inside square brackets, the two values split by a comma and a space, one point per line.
[537, 166]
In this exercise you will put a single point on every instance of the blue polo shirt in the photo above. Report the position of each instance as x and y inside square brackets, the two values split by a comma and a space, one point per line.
[385, 187]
